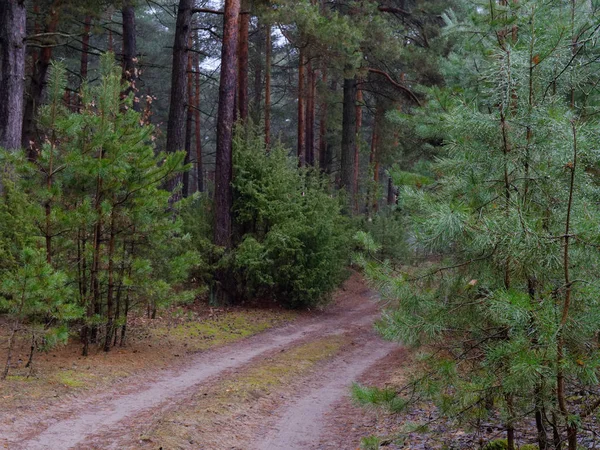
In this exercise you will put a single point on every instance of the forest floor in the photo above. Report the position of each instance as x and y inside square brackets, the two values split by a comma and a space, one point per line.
[261, 380]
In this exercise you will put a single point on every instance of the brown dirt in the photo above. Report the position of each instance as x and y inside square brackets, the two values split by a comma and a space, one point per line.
[221, 396]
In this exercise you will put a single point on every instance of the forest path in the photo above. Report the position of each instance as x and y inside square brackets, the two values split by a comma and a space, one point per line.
[117, 418]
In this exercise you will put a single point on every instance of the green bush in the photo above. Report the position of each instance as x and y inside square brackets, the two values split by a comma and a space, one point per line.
[291, 240]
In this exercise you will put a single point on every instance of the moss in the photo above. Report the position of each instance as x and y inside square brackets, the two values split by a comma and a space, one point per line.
[225, 329]
[72, 379]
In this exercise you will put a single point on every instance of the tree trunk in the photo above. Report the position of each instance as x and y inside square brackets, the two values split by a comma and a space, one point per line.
[189, 122]
[199, 165]
[243, 51]
[391, 196]
[301, 109]
[130, 52]
[258, 74]
[374, 164]
[323, 164]
[359, 100]
[224, 169]
[310, 116]
[36, 88]
[348, 137]
[268, 52]
[111, 285]
[85, 47]
[176, 122]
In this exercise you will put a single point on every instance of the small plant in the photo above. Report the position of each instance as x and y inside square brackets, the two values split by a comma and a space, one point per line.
[370, 443]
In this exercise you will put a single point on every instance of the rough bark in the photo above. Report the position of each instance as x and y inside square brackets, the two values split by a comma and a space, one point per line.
[323, 129]
[359, 100]
[189, 122]
[258, 74]
[130, 51]
[310, 116]
[268, 53]
[301, 109]
[36, 87]
[225, 119]
[243, 51]
[199, 165]
[12, 71]
[348, 137]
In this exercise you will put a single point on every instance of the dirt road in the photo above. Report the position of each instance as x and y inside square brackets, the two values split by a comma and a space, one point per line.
[120, 418]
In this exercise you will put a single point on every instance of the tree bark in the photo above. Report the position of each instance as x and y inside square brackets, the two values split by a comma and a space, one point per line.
[130, 51]
[12, 72]
[243, 51]
[323, 129]
[36, 88]
[310, 116]
[348, 137]
[258, 74]
[358, 109]
[199, 165]
[301, 109]
[176, 123]
[391, 196]
[189, 122]
[223, 173]
[268, 53]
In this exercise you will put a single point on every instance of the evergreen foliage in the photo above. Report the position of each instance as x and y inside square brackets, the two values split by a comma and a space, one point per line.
[292, 237]
[92, 234]
[507, 315]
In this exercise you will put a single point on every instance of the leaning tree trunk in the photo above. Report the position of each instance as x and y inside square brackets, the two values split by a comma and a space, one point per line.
[225, 119]
[176, 122]
[12, 71]
[129, 51]
[348, 137]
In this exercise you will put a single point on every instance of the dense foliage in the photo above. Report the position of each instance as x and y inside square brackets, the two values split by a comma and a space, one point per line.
[506, 312]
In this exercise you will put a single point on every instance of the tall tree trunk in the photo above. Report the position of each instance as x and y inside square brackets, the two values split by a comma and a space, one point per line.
[130, 51]
[12, 71]
[348, 138]
[199, 165]
[36, 88]
[374, 163]
[301, 109]
[323, 128]
[258, 73]
[243, 52]
[176, 122]
[268, 52]
[227, 88]
[359, 100]
[189, 122]
[310, 116]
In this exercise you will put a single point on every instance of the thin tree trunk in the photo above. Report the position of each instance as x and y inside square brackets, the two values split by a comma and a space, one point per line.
[85, 47]
[130, 51]
[310, 116]
[348, 137]
[359, 100]
[111, 285]
[373, 163]
[11, 344]
[189, 122]
[258, 74]
[197, 117]
[176, 123]
[268, 53]
[301, 109]
[243, 53]
[391, 196]
[323, 163]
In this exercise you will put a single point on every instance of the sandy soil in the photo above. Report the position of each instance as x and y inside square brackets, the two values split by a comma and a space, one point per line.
[297, 419]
